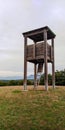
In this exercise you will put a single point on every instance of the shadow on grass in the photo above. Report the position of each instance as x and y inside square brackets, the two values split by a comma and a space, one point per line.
[16, 91]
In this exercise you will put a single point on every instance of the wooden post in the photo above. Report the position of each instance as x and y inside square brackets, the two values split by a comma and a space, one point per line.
[35, 76]
[25, 63]
[34, 50]
[53, 65]
[45, 61]
[35, 67]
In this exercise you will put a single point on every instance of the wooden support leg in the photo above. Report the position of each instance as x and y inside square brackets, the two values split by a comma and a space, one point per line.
[45, 61]
[25, 63]
[46, 77]
[53, 75]
[25, 76]
[53, 65]
[35, 76]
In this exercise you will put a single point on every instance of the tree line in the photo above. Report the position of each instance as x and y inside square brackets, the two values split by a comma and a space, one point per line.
[13, 82]
[59, 80]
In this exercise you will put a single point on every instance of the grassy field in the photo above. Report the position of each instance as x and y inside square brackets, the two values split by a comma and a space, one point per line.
[32, 110]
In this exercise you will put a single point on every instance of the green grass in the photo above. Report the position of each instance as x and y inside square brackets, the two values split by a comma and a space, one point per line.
[32, 110]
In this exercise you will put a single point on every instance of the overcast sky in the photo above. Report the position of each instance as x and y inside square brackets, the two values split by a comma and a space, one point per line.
[18, 16]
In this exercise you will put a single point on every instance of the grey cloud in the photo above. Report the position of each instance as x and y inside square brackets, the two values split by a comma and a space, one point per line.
[18, 16]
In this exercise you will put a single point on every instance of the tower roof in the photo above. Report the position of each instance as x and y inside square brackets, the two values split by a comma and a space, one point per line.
[37, 34]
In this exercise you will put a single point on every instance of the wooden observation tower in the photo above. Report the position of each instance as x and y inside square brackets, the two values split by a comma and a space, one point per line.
[39, 53]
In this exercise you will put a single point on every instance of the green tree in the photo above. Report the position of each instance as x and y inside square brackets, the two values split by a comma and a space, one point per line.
[60, 77]
[49, 79]
[3, 83]
[12, 82]
[42, 79]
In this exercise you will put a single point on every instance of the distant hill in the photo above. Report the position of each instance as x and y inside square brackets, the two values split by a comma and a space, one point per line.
[11, 78]
[30, 77]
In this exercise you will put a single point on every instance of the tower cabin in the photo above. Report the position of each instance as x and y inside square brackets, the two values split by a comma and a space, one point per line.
[39, 53]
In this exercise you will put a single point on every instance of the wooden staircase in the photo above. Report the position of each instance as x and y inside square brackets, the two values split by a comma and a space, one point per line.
[39, 72]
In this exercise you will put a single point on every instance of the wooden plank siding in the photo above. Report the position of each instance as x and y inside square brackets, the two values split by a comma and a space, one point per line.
[37, 51]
